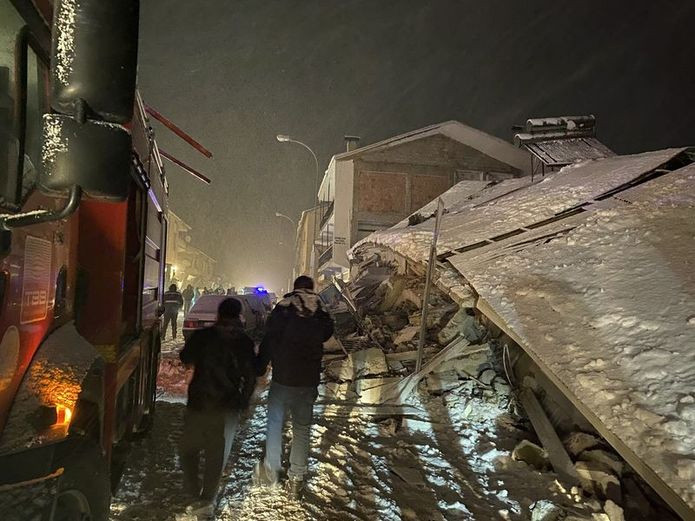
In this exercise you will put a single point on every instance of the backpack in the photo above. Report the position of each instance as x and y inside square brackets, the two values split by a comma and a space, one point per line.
[221, 380]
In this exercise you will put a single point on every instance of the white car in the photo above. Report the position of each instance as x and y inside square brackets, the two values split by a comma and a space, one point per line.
[204, 313]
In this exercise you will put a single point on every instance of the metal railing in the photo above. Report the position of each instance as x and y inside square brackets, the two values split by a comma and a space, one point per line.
[325, 256]
[326, 214]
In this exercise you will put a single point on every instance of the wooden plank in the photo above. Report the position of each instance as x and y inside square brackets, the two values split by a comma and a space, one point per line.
[673, 499]
[345, 409]
[557, 454]
[399, 391]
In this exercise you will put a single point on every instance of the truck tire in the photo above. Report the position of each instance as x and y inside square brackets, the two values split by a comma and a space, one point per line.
[84, 493]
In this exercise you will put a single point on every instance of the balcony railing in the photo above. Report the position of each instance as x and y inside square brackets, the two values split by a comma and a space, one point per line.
[326, 214]
[325, 256]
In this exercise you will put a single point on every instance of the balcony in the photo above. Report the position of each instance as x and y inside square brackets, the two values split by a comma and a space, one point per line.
[326, 256]
[326, 213]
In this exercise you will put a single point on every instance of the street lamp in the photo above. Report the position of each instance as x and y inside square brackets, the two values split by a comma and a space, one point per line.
[278, 214]
[282, 215]
[284, 138]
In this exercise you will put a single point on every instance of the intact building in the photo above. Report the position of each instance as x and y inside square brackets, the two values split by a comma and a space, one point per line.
[186, 264]
[374, 187]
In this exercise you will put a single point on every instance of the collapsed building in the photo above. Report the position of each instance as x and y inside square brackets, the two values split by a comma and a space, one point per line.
[580, 284]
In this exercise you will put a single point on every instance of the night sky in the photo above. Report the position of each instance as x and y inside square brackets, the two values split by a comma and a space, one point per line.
[236, 73]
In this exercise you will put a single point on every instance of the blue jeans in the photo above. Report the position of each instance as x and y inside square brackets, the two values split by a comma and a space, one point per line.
[299, 401]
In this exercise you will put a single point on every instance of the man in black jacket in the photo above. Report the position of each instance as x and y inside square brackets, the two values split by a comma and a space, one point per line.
[293, 344]
[187, 295]
[172, 304]
[223, 381]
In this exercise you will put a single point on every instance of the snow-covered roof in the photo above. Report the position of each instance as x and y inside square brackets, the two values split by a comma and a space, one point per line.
[592, 270]
[512, 205]
[489, 145]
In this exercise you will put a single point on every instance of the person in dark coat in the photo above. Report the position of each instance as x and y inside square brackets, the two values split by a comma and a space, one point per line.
[187, 295]
[296, 330]
[223, 381]
[172, 304]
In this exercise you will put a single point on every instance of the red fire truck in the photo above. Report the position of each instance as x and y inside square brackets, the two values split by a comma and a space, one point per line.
[83, 216]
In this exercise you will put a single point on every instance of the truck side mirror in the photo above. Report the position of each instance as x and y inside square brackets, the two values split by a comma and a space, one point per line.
[93, 70]
[94, 57]
[94, 155]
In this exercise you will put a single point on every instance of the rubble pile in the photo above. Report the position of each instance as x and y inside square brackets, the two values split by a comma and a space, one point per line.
[468, 387]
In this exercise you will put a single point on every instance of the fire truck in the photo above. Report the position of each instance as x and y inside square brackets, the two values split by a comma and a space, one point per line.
[83, 218]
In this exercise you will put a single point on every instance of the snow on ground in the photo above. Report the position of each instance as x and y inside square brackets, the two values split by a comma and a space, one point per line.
[622, 286]
[453, 462]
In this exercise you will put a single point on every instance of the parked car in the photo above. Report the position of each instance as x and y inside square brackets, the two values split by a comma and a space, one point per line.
[204, 313]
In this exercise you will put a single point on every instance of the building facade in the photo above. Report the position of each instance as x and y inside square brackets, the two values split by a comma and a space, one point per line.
[185, 263]
[305, 259]
[374, 187]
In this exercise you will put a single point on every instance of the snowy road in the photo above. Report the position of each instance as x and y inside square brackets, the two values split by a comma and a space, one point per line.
[453, 463]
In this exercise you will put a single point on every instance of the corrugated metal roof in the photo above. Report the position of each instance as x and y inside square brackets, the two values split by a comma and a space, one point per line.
[561, 152]
[501, 209]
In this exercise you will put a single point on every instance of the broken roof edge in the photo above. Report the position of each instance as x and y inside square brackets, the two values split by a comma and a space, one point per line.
[667, 493]
[488, 144]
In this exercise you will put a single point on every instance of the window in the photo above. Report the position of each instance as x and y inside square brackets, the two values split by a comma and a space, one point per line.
[10, 27]
[23, 101]
[36, 107]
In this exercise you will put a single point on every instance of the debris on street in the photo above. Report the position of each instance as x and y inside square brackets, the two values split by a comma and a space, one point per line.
[448, 442]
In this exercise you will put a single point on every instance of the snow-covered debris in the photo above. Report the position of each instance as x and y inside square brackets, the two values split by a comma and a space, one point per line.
[622, 286]
[546, 511]
[578, 442]
[366, 362]
[604, 458]
[407, 334]
[617, 278]
[462, 323]
[594, 477]
[532, 454]
[613, 511]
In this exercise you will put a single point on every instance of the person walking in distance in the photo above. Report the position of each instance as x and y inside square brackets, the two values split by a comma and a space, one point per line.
[187, 299]
[224, 378]
[293, 344]
[172, 304]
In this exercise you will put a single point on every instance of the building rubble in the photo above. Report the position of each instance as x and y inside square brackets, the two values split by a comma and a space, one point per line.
[604, 249]
[470, 391]
[453, 444]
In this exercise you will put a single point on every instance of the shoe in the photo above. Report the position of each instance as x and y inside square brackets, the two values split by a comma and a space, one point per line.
[262, 477]
[295, 488]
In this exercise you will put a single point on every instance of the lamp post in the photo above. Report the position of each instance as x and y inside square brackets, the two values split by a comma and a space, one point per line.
[283, 138]
[278, 214]
[294, 225]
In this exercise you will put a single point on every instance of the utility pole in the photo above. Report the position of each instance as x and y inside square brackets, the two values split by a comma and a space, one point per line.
[428, 284]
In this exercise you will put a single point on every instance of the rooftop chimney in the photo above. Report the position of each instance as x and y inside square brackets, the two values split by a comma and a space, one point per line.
[351, 142]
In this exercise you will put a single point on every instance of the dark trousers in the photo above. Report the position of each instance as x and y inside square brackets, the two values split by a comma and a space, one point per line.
[211, 434]
[170, 318]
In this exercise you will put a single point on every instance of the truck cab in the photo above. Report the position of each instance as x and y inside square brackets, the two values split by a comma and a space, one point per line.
[83, 219]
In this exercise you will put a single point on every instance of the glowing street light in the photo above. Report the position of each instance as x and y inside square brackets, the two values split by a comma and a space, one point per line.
[278, 214]
[284, 138]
